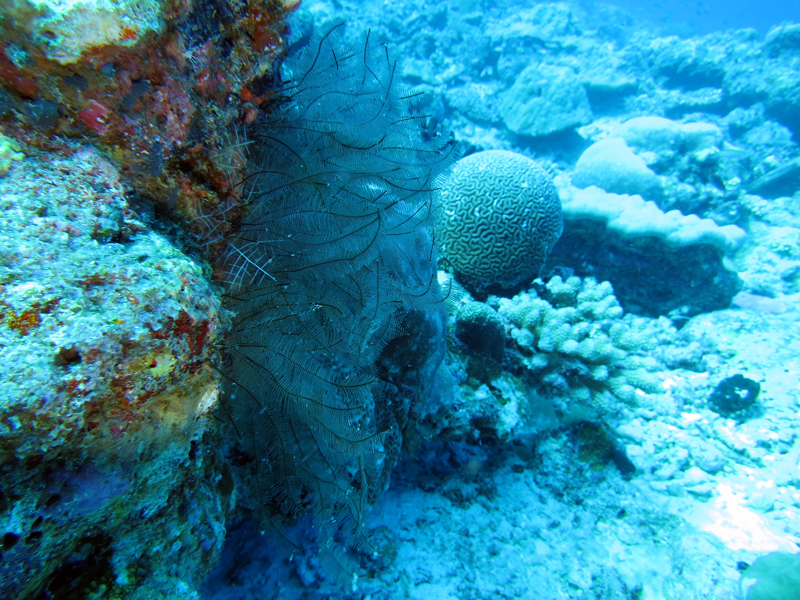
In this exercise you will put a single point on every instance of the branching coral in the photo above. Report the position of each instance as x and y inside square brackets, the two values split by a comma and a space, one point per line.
[581, 346]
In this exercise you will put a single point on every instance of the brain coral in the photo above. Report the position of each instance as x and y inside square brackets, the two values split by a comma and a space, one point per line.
[501, 216]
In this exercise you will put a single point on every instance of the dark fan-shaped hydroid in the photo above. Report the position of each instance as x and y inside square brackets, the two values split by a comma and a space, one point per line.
[335, 245]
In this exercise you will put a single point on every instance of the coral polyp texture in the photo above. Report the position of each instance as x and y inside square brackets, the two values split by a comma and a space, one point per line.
[104, 392]
[334, 248]
[500, 217]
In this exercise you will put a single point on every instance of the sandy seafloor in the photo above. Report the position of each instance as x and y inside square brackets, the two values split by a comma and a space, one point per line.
[525, 519]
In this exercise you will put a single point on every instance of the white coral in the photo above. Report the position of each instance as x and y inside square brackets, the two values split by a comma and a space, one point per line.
[632, 217]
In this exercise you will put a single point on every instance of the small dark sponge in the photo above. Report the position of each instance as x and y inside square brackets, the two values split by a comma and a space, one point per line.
[482, 330]
[734, 397]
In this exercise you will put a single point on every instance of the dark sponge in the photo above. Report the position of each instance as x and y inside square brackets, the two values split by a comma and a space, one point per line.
[482, 330]
[734, 397]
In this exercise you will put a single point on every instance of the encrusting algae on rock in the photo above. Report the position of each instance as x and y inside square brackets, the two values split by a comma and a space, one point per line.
[105, 388]
[9, 151]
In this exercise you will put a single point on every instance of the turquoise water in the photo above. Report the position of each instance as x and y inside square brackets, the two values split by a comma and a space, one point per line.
[701, 17]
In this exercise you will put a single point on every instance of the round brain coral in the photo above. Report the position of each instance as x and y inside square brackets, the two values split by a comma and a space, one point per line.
[501, 217]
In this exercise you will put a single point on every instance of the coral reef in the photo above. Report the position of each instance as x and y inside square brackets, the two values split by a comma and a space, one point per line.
[114, 483]
[632, 217]
[157, 85]
[571, 355]
[578, 435]
[65, 31]
[687, 166]
[612, 166]
[671, 164]
[500, 218]
[530, 460]
[626, 240]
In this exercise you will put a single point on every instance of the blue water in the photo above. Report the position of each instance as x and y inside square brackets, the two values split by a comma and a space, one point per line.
[704, 16]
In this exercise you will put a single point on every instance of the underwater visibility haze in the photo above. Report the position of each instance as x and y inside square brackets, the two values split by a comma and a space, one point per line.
[371, 300]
